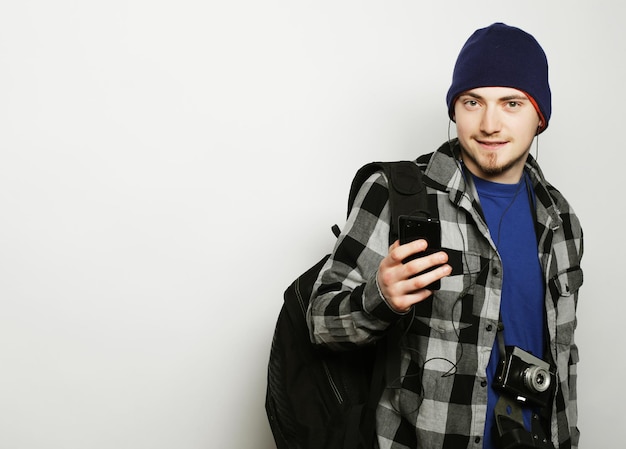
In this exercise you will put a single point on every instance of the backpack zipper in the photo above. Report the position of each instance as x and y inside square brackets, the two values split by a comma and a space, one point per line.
[329, 377]
[332, 384]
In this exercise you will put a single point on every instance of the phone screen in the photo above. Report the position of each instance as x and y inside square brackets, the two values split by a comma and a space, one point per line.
[414, 228]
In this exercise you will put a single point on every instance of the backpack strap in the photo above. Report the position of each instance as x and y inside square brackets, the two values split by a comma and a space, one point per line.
[407, 194]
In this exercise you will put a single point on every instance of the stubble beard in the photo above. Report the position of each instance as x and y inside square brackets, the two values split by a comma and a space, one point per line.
[489, 164]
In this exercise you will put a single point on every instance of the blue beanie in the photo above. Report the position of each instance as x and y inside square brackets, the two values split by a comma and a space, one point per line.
[503, 56]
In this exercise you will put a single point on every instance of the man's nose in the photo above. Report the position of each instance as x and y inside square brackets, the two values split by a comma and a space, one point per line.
[490, 123]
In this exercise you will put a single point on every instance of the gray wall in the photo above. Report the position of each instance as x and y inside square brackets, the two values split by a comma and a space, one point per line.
[167, 168]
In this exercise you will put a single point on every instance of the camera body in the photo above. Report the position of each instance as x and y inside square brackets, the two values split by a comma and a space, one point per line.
[524, 377]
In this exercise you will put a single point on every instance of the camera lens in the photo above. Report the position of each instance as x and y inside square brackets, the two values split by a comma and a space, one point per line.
[536, 379]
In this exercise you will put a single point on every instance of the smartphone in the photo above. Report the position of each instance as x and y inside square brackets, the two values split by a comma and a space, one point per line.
[414, 228]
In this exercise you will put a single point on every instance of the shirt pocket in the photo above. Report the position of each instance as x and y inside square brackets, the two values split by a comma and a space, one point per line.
[463, 262]
[440, 315]
[568, 282]
[565, 285]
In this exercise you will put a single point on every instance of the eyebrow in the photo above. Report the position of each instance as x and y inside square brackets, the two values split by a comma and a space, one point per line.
[506, 98]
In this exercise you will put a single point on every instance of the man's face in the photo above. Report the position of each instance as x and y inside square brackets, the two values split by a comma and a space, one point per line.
[495, 126]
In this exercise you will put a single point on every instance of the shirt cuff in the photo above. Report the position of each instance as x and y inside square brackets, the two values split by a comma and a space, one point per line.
[375, 303]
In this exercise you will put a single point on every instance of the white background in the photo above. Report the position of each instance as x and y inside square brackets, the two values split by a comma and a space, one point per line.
[167, 168]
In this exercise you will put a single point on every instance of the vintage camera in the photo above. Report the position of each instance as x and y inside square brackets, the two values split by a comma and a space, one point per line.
[524, 377]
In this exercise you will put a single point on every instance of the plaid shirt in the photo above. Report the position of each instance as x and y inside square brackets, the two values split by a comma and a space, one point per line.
[441, 397]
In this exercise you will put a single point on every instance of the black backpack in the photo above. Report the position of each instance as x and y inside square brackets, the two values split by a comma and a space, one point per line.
[317, 398]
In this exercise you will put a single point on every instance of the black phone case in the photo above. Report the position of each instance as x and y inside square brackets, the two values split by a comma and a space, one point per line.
[414, 228]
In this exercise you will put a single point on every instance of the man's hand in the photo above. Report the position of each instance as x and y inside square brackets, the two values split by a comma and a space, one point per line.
[396, 281]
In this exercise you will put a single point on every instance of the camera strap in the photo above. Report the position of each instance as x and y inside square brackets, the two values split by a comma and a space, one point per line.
[500, 337]
[510, 431]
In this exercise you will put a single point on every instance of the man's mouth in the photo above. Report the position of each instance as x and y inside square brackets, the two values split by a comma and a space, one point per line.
[492, 144]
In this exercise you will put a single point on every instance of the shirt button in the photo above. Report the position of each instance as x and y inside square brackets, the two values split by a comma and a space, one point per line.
[477, 440]
[483, 384]
[495, 271]
[489, 328]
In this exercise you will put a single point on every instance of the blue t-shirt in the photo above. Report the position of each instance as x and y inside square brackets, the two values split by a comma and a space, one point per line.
[508, 212]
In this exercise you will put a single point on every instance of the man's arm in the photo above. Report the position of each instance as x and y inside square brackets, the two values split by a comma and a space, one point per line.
[364, 286]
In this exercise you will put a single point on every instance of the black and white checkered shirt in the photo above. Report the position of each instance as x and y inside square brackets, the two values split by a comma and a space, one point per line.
[442, 399]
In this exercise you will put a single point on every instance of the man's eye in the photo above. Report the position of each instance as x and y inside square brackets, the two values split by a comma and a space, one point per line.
[513, 104]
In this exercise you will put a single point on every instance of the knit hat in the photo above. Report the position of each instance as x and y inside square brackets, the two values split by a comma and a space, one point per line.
[503, 56]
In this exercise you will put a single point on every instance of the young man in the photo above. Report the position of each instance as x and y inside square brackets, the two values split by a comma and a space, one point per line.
[514, 283]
